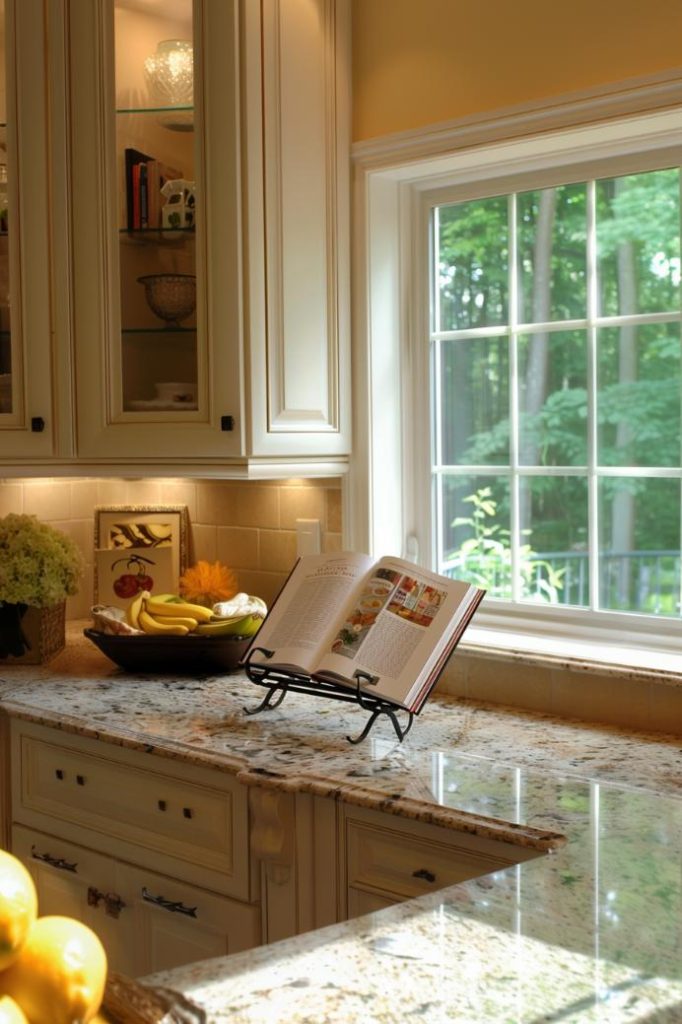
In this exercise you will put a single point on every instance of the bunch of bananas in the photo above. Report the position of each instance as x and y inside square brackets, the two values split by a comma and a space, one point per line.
[171, 615]
[52, 969]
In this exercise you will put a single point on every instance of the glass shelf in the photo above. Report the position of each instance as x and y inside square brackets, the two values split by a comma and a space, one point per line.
[170, 329]
[156, 236]
[154, 110]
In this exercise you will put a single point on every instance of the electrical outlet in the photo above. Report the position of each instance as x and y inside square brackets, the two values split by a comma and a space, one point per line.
[308, 537]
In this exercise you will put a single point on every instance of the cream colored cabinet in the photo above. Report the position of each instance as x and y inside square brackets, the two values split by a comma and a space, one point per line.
[385, 859]
[153, 855]
[146, 921]
[30, 388]
[210, 322]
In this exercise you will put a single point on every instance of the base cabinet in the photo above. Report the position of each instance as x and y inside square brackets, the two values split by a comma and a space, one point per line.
[146, 921]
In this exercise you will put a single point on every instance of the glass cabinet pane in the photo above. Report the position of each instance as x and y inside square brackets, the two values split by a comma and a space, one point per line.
[6, 405]
[155, 154]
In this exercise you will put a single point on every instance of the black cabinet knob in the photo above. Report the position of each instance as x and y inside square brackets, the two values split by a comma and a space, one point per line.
[37, 424]
[227, 422]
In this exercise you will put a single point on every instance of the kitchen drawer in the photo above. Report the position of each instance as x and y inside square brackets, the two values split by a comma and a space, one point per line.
[180, 818]
[400, 859]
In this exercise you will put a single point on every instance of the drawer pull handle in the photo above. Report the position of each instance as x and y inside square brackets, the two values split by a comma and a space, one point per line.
[59, 773]
[55, 862]
[113, 904]
[161, 804]
[187, 812]
[80, 780]
[428, 876]
[173, 906]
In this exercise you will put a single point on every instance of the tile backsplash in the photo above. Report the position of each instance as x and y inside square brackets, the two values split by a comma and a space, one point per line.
[248, 525]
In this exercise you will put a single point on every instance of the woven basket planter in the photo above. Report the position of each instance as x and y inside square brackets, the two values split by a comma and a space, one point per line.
[31, 636]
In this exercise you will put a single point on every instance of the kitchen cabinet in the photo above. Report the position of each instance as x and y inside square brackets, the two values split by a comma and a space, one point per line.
[385, 859]
[153, 856]
[256, 375]
[29, 394]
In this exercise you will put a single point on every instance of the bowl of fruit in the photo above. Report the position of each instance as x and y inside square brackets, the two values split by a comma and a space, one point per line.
[165, 633]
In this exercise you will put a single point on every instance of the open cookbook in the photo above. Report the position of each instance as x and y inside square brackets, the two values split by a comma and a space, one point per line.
[387, 625]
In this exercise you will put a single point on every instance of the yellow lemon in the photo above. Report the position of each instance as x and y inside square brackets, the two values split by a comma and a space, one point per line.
[18, 907]
[10, 1013]
[59, 976]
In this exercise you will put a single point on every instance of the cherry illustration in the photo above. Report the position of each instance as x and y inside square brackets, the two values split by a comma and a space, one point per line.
[128, 584]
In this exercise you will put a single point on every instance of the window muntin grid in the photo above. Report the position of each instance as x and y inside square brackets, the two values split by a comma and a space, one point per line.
[482, 345]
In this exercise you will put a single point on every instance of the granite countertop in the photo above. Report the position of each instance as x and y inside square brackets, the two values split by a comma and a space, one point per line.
[591, 931]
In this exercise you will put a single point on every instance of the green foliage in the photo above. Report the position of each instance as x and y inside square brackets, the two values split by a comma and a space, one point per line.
[39, 565]
[485, 557]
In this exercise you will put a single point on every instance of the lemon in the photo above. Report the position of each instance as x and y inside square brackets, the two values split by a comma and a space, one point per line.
[59, 976]
[18, 907]
[10, 1013]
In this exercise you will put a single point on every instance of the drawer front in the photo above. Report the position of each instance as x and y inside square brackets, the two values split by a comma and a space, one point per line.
[386, 860]
[128, 798]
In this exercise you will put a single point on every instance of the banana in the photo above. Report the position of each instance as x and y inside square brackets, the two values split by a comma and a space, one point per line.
[181, 609]
[245, 626]
[135, 607]
[150, 625]
[179, 620]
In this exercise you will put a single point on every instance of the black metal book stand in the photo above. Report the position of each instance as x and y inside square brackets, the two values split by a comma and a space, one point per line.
[278, 683]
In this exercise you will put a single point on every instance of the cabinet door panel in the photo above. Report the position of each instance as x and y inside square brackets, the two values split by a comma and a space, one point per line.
[70, 891]
[298, 227]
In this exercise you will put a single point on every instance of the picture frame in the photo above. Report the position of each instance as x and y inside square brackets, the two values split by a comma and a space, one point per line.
[124, 527]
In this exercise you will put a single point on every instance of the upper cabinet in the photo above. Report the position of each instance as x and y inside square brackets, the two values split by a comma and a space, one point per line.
[27, 384]
[206, 246]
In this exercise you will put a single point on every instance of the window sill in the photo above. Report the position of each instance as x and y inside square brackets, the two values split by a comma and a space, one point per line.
[584, 656]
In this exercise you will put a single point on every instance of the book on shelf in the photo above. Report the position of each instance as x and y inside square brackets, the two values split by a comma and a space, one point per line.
[386, 625]
[145, 176]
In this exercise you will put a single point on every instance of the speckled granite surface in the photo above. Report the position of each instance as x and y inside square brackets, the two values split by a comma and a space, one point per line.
[590, 932]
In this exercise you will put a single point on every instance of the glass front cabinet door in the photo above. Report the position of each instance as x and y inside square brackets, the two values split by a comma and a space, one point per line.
[27, 357]
[181, 282]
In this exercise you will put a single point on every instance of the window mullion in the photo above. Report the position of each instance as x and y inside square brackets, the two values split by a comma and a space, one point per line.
[592, 383]
[514, 486]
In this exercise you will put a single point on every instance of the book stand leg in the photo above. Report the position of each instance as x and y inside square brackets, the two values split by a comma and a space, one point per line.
[279, 683]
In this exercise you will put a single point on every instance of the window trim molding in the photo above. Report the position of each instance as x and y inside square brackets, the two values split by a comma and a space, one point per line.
[393, 193]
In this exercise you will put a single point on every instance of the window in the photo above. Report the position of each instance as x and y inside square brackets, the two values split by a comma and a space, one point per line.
[556, 393]
[518, 376]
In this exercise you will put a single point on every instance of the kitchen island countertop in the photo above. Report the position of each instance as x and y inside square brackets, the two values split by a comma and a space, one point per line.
[590, 931]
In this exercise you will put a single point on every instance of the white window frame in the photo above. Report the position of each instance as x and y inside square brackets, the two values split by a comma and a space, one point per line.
[389, 493]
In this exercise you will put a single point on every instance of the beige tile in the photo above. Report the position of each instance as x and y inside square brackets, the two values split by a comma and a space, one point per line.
[612, 699]
[453, 680]
[238, 546]
[82, 532]
[333, 519]
[11, 498]
[180, 492]
[277, 550]
[331, 542]
[215, 503]
[665, 709]
[305, 502]
[262, 584]
[256, 505]
[111, 492]
[503, 682]
[83, 498]
[48, 499]
[203, 543]
[143, 492]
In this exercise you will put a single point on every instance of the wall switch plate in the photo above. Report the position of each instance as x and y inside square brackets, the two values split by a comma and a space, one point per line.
[308, 537]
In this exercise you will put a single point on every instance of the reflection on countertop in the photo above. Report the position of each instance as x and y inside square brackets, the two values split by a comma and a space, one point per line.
[589, 932]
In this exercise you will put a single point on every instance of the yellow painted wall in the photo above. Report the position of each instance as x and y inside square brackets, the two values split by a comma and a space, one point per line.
[416, 62]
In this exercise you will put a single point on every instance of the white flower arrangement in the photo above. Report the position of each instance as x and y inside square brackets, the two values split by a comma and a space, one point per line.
[39, 565]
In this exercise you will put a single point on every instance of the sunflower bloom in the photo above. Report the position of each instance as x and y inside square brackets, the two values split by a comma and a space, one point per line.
[207, 583]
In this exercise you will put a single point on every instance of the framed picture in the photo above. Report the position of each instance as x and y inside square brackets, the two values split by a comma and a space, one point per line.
[122, 574]
[144, 528]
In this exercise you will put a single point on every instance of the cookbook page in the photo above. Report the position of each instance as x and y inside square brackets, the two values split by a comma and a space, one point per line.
[396, 630]
[310, 609]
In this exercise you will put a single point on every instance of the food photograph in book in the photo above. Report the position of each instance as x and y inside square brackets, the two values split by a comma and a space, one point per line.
[395, 593]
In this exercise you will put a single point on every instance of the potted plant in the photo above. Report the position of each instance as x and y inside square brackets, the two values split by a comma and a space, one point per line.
[39, 568]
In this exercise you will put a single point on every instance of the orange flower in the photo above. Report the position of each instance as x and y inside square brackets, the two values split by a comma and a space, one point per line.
[206, 583]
